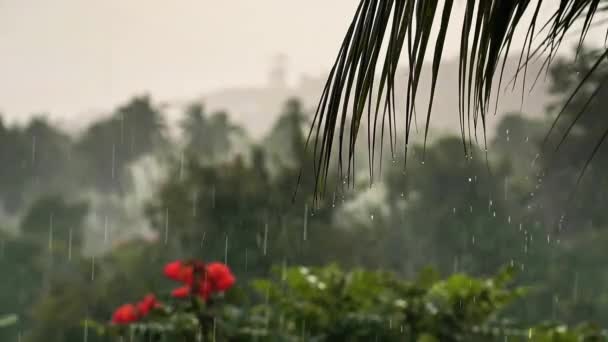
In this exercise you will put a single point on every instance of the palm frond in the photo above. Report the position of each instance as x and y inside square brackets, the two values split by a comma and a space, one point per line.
[384, 30]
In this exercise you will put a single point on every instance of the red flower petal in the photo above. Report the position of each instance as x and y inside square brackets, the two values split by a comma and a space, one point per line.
[125, 314]
[172, 269]
[204, 289]
[147, 304]
[178, 271]
[220, 276]
[181, 292]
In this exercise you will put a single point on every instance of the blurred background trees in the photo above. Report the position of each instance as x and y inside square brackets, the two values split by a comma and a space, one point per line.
[88, 219]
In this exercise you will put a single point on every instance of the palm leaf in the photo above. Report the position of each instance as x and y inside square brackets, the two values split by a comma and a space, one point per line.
[382, 30]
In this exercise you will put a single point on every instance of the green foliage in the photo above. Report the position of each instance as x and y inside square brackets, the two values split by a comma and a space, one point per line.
[329, 304]
[376, 40]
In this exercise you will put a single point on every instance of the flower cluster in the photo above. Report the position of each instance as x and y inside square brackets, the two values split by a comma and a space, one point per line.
[129, 313]
[198, 278]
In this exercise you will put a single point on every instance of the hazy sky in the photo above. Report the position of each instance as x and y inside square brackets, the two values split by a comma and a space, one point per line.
[70, 57]
[73, 58]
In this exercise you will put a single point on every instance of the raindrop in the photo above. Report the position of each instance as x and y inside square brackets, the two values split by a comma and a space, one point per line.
[203, 239]
[92, 268]
[226, 251]
[534, 160]
[105, 229]
[166, 225]
[213, 197]
[85, 336]
[33, 148]
[575, 289]
[70, 244]
[113, 160]
[284, 270]
[51, 233]
[470, 179]
[265, 238]
[194, 203]
[181, 166]
[305, 230]
[371, 217]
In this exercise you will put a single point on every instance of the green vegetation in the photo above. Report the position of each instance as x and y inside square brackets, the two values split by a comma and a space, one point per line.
[328, 304]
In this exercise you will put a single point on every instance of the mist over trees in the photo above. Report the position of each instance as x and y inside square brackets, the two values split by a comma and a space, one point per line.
[84, 215]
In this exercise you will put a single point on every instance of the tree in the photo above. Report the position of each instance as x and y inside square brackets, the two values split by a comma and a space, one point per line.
[109, 146]
[286, 141]
[36, 159]
[208, 138]
[579, 127]
[409, 27]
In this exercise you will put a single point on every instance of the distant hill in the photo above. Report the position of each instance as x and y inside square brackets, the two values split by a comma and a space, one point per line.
[256, 108]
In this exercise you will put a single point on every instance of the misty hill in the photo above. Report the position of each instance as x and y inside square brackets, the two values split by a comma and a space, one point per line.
[257, 107]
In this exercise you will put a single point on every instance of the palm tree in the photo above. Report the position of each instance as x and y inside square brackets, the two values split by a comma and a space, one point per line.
[354, 92]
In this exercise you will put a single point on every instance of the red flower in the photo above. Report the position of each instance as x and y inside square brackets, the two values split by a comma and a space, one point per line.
[178, 271]
[181, 292]
[219, 276]
[213, 277]
[125, 314]
[204, 289]
[147, 304]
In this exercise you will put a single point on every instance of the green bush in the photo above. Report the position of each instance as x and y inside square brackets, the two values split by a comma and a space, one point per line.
[329, 304]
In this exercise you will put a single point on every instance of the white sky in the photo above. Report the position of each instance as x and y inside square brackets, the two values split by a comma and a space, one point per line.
[73, 58]
[69, 57]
